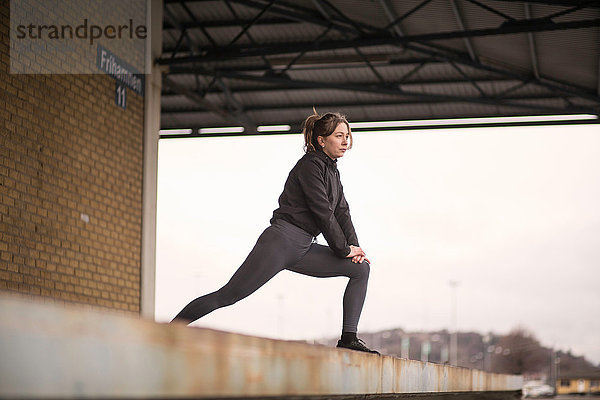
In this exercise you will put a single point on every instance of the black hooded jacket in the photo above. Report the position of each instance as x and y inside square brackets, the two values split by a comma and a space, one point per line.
[313, 199]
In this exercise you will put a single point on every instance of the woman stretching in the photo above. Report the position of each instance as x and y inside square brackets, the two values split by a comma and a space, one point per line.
[312, 202]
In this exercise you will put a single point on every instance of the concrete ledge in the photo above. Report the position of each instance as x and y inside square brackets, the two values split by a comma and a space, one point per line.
[52, 351]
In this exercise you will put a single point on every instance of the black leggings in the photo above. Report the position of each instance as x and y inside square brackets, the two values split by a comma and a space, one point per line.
[286, 246]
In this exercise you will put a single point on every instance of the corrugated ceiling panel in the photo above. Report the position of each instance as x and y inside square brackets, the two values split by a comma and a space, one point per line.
[186, 80]
[241, 83]
[315, 97]
[360, 75]
[255, 99]
[330, 75]
[211, 10]
[366, 98]
[395, 112]
[218, 11]
[462, 110]
[432, 71]
[556, 103]
[176, 101]
[557, 50]
[436, 16]
[476, 17]
[373, 15]
[291, 116]
[289, 33]
[508, 51]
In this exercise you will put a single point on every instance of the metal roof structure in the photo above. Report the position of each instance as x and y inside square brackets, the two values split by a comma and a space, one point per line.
[251, 63]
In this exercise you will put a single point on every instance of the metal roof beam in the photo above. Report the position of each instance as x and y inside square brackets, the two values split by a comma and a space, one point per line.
[193, 17]
[563, 3]
[318, 39]
[219, 54]
[284, 88]
[513, 89]
[554, 85]
[248, 25]
[468, 78]
[320, 63]
[208, 88]
[532, 47]
[382, 89]
[324, 61]
[232, 103]
[491, 9]
[338, 104]
[388, 8]
[245, 29]
[322, 10]
[414, 71]
[228, 24]
[342, 16]
[567, 11]
[300, 55]
[370, 66]
[181, 29]
[184, 34]
[235, 117]
[397, 20]
[296, 14]
[461, 26]
[444, 54]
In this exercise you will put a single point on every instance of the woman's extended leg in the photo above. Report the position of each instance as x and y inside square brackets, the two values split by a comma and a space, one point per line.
[320, 261]
[270, 254]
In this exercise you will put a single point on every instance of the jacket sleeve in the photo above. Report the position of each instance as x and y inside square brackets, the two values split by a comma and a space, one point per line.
[342, 214]
[312, 181]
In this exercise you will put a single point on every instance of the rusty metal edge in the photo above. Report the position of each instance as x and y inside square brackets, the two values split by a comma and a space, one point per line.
[480, 395]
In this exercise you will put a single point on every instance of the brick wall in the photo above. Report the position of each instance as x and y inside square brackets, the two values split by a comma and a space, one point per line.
[70, 187]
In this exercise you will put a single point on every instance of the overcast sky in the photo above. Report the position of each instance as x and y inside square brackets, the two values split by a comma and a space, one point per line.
[512, 214]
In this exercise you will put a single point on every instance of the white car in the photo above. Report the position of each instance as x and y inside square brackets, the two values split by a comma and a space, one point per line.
[537, 389]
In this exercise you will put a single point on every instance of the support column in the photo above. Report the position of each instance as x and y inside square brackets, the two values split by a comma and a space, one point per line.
[154, 21]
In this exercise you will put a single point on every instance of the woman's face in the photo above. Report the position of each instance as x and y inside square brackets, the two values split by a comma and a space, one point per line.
[336, 144]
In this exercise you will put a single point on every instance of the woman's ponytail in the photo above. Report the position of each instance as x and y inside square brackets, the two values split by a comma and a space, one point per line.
[310, 141]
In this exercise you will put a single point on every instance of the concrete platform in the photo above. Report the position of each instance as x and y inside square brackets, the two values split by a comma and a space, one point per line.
[49, 351]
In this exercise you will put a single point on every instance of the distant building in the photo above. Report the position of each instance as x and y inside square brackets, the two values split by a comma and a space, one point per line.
[586, 382]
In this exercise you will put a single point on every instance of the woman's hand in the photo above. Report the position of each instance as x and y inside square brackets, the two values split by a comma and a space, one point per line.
[357, 254]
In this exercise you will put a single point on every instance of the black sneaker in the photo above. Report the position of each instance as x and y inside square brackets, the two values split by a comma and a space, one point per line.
[358, 345]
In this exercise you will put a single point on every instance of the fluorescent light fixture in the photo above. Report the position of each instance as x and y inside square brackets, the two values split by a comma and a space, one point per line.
[175, 131]
[225, 129]
[473, 121]
[273, 128]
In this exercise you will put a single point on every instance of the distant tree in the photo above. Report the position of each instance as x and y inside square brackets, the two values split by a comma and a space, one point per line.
[519, 352]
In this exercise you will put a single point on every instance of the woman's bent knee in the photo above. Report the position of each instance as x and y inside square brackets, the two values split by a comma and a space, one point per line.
[360, 271]
[365, 269]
